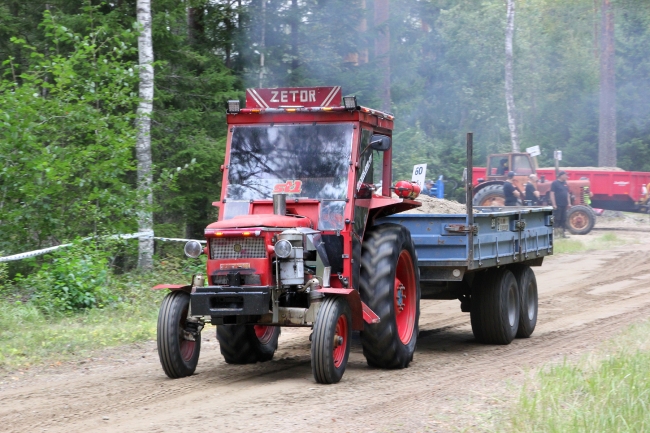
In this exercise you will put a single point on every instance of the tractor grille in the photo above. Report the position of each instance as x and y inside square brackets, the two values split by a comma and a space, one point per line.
[237, 248]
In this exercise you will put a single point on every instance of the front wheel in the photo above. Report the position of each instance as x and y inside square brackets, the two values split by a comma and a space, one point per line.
[179, 342]
[580, 219]
[390, 286]
[330, 345]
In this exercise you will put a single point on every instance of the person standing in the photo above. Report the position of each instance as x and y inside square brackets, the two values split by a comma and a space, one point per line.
[532, 195]
[561, 201]
[510, 191]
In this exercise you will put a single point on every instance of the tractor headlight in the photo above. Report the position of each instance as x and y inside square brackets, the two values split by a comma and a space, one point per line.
[282, 248]
[193, 249]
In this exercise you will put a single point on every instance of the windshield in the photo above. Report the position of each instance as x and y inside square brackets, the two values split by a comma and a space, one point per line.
[300, 160]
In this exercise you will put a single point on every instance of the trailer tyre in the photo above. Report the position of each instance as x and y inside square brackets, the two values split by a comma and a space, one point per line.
[178, 354]
[247, 344]
[390, 286]
[491, 195]
[330, 347]
[495, 307]
[528, 300]
[580, 219]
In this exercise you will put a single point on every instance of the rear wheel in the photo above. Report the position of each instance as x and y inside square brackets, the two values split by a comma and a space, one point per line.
[528, 300]
[495, 307]
[491, 195]
[580, 219]
[330, 345]
[179, 343]
[247, 344]
[390, 286]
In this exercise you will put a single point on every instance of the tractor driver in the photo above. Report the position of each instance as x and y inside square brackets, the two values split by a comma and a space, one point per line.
[503, 167]
[561, 201]
[510, 191]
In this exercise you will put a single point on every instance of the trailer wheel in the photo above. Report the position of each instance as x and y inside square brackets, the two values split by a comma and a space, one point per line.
[580, 219]
[247, 344]
[330, 345]
[491, 195]
[178, 354]
[528, 300]
[495, 307]
[390, 286]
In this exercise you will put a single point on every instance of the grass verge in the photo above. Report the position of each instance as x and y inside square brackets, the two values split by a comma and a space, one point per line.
[606, 392]
[573, 245]
[29, 337]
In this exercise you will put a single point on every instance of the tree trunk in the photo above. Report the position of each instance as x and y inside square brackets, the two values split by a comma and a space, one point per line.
[295, 17]
[143, 143]
[382, 48]
[262, 42]
[607, 123]
[510, 97]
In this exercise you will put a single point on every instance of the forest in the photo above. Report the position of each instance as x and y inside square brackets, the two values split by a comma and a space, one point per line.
[69, 93]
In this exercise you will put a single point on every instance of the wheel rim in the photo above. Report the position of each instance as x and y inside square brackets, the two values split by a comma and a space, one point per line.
[405, 297]
[340, 340]
[578, 220]
[512, 305]
[187, 347]
[493, 200]
[530, 296]
[264, 333]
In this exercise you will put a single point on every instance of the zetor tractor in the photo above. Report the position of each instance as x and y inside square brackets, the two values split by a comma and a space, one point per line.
[297, 243]
[489, 188]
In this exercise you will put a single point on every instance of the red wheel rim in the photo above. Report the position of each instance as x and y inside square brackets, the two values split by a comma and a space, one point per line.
[578, 220]
[493, 200]
[340, 340]
[264, 333]
[405, 294]
[186, 346]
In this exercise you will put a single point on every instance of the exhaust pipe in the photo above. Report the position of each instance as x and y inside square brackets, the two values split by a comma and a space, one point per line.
[280, 204]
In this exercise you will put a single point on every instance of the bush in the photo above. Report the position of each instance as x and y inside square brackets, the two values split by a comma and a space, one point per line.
[75, 279]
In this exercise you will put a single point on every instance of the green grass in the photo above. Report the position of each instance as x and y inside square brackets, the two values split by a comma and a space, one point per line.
[577, 244]
[29, 337]
[607, 392]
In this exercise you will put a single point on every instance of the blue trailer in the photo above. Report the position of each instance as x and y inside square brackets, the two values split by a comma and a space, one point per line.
[485, 261]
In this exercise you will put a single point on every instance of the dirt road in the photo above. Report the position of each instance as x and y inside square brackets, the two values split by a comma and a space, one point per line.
[452, 384]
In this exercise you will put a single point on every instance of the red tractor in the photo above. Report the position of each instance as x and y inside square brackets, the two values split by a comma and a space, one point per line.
[488, 189]
[295, 243]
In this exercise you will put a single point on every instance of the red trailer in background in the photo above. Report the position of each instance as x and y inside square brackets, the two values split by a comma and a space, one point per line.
[612, 189]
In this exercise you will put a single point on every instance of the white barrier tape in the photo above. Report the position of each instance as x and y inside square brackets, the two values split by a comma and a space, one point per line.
[178, 240]
[40, 252]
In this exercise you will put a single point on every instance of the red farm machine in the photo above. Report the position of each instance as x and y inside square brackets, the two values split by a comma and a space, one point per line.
[488, 188]
[306, 237]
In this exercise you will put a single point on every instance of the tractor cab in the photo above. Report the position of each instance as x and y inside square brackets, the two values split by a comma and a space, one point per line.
[500, 164]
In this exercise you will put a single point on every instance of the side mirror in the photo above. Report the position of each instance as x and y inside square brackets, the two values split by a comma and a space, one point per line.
[380, 142]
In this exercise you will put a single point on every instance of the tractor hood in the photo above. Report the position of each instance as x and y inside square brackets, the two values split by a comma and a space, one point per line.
[262, 220]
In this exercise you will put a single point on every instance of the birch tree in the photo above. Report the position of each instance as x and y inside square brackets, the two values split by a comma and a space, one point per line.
[143, 144]
[510, 98]
[607, 103]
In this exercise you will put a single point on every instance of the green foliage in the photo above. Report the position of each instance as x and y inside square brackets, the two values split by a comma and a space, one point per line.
[67, 136]
[608, 394]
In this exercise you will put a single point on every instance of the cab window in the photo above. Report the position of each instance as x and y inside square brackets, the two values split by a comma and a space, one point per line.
[498, 166]
[521, 165]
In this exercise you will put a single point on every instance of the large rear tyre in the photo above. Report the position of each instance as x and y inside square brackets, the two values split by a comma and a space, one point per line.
[179, 344]
[330, 345]
[491, 195]
[390, 286]
[495, 307]
[580, 219]
[527, 299]
[247, 344]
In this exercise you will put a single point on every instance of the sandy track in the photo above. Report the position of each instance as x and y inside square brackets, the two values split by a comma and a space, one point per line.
[452, 383]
